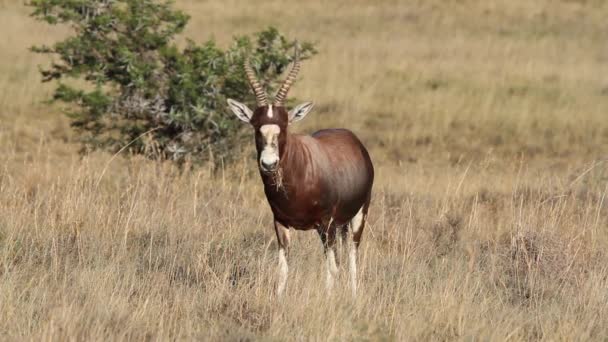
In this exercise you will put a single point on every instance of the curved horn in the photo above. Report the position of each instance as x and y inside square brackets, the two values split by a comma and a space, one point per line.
[279, 99]
[260, 95]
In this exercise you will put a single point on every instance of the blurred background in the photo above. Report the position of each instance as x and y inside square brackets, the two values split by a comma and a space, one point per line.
[487, 123]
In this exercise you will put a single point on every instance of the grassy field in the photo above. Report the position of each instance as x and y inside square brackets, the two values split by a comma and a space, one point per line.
[488, 125]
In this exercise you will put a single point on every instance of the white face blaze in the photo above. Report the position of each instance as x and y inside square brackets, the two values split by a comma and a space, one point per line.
[270, 113]
[270, 152]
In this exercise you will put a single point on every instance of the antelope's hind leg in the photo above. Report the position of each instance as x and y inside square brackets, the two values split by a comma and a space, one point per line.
[283, 241]
[355, 228]
[328, 238]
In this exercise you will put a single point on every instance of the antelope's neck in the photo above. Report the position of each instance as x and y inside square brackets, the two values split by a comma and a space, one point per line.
[291, 149]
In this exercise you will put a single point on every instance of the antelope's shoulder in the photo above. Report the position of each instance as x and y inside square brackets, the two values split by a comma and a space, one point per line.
[333, 133]
[339, 140]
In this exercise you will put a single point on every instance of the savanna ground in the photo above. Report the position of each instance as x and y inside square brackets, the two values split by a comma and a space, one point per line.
[487, 122]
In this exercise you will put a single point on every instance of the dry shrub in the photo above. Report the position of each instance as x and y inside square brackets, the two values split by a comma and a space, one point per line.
[445, 233]
[537, 264]
[485, 121]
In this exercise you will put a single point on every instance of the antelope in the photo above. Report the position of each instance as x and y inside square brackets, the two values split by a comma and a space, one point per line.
[321, 181]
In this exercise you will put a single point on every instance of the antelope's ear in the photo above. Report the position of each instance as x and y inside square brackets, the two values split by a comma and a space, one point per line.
[240, 110]
[299, 112]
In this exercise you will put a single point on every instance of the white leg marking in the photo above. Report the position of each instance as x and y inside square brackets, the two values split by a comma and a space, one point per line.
[332, 268]
[283, 269]
[352, 267]
[355, 222]
[339, 241]
[355, 226]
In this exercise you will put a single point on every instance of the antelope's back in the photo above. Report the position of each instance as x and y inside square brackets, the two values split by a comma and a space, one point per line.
[348, 174]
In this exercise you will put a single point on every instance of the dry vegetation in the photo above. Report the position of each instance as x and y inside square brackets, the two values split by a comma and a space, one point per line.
[487, 124]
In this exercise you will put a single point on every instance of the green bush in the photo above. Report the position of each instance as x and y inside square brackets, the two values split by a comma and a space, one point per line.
[143, 93]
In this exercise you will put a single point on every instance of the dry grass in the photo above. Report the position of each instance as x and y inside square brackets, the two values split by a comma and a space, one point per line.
[487, 125]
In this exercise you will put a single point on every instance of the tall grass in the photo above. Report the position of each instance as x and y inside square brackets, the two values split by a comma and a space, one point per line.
[486, 123]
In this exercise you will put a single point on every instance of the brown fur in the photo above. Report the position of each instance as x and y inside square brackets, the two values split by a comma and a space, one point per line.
[326, 176]
[319, 181]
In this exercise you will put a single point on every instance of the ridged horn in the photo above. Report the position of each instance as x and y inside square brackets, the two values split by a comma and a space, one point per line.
[291, 77]
[260, 95]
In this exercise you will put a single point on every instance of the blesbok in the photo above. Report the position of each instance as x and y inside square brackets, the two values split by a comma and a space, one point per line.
[321, 181]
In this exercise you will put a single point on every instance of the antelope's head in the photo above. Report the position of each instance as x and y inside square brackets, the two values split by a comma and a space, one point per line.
[270, 121]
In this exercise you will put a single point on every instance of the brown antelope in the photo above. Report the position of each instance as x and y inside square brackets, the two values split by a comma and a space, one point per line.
[321, 181]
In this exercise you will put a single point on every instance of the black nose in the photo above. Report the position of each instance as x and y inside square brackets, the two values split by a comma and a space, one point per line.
[269, 166]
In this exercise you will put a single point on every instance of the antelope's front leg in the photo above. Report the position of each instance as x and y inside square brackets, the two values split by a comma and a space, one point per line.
[283, 240]
[328, 238]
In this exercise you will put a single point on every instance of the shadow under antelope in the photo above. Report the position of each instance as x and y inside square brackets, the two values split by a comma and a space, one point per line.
[321, 181]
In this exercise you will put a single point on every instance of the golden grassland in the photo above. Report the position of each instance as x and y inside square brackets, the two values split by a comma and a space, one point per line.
[487, 122]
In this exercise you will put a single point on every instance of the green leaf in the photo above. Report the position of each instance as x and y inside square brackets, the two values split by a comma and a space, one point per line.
[134, 78]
